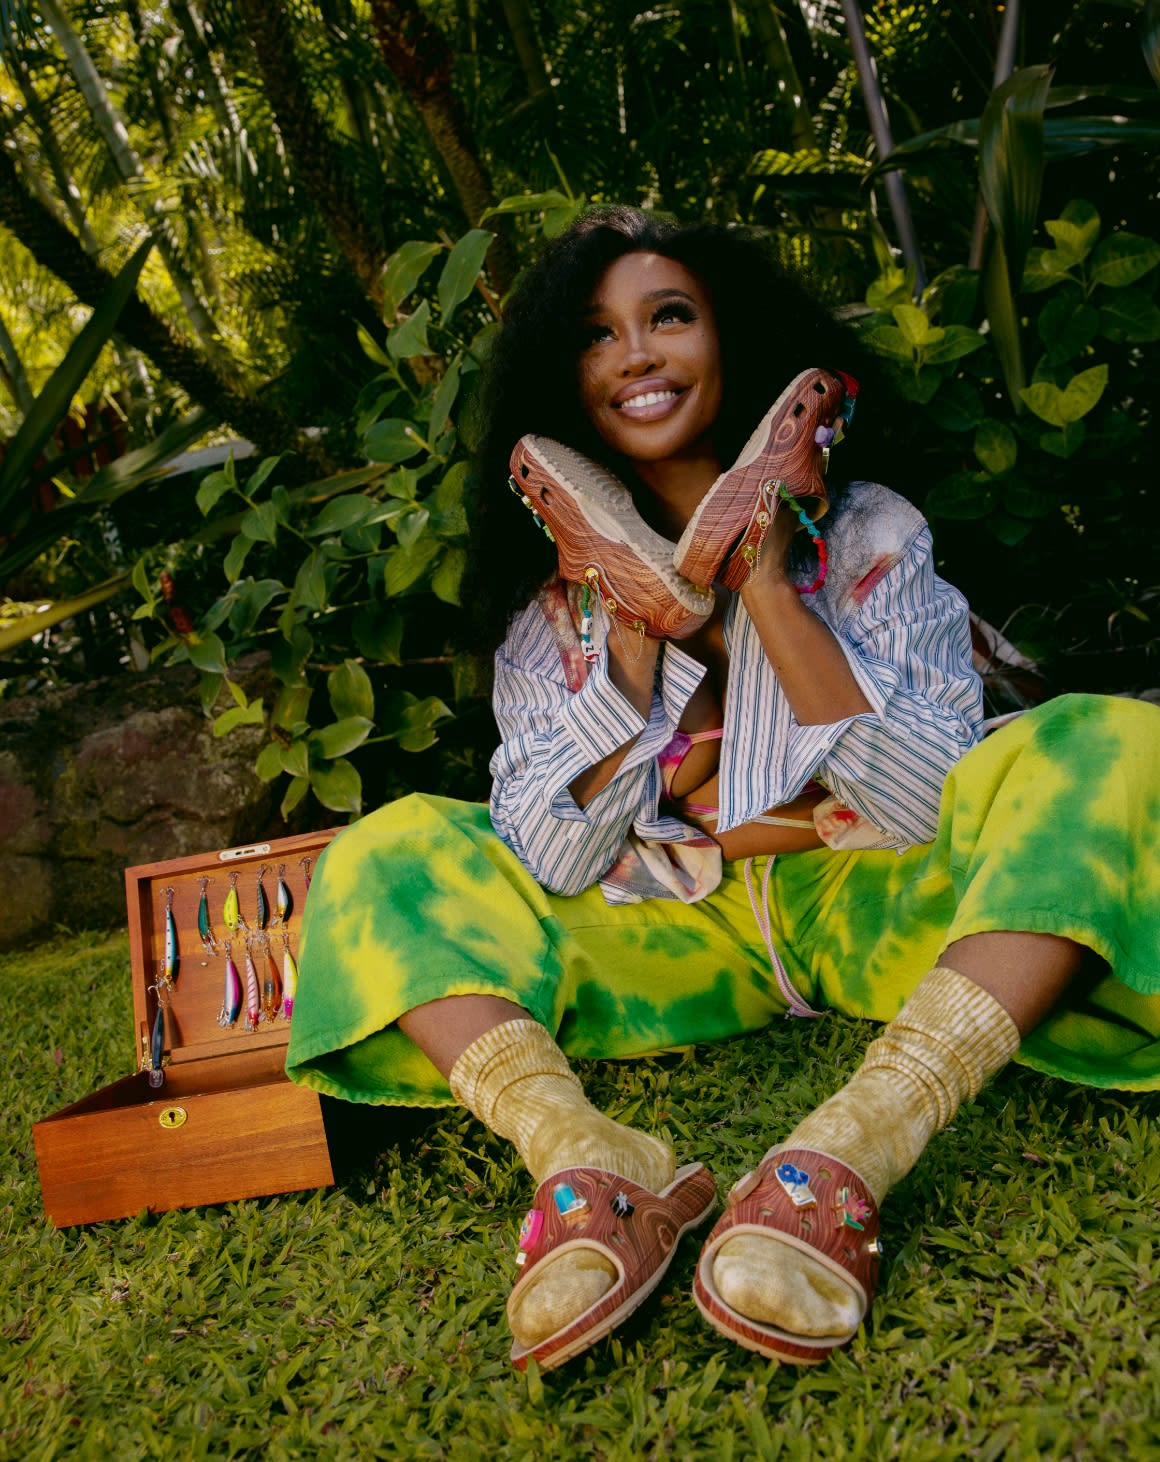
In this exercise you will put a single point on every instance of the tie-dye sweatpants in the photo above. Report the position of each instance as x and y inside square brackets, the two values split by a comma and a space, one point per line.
[1052, 825]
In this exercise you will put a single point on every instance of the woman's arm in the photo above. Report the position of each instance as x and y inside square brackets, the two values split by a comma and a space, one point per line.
[811, 669]
[633, 675]
[878, 709]
[602, 739]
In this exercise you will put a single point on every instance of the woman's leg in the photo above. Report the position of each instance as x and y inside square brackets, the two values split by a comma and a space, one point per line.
[1046, 854]
[516, 1080]
[508, 1071]
[422, 899]
[959, 1028]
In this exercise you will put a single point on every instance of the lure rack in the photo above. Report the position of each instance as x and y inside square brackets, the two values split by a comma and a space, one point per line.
[219, 941]
[207, 1114]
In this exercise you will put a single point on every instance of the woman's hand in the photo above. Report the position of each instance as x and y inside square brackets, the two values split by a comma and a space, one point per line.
[632, 664]
[808, 661]
[773, 562]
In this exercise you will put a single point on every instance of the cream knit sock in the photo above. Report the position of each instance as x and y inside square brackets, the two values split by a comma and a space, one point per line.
[517, 1081]
[949, 1038]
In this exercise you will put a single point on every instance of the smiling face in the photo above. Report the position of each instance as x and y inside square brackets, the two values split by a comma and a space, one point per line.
[650, 361]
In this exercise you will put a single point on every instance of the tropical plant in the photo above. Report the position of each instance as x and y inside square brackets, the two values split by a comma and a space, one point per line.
[1056, 473]
[352, 582]
[83, 507]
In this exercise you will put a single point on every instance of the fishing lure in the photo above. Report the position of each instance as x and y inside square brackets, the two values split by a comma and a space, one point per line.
[232, 995]
[172, 960]
[263, 902]
[305, 865]
[204, 927]
[231, 909]
[283, 899]
[271, 987]
[289, 978]
[157, 1045]
[253, 1000]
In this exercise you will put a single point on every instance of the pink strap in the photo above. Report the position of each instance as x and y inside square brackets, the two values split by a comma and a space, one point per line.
[795, 1005]
[670, 757]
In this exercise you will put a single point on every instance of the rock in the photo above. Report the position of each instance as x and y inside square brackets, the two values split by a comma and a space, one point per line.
[100, 777]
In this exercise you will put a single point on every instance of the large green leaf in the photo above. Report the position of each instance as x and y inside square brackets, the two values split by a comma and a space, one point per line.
[529, 203]
[1011, 161]
[1076, 231]
[1130, 315]
[52, 404]
[393, 440]
[350, 690]
[1067, 326]
[403, 271]
[1123, 258]
[340, 737]
[1062, 407]
[1003, 317]
[337, 786]
[135, 469]
[410, 337]
[964, 495]
[459, 274]
[20, 630]
[995, 447]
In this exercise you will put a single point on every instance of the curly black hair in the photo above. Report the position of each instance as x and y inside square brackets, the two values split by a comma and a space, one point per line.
[769, 326]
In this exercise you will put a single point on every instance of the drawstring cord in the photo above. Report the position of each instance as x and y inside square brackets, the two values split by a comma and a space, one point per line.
[795, 1005]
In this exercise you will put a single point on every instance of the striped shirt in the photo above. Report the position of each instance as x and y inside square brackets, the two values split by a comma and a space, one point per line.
[906, 639]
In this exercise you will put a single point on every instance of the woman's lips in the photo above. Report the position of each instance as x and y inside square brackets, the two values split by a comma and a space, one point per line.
[647, 400]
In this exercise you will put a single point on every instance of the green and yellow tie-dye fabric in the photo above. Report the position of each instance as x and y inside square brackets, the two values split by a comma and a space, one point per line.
[1051, 825]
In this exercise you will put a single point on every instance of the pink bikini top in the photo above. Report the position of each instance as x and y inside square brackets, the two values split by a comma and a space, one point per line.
[674, 754]
[670, 759]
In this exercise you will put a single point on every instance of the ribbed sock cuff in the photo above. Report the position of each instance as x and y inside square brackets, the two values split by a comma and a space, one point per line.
[951, 1036]
[503, 1055]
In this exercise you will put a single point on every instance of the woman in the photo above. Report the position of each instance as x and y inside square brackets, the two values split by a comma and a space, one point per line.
[717, 800]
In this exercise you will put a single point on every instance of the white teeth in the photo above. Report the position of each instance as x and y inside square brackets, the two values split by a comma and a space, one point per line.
[650, 398]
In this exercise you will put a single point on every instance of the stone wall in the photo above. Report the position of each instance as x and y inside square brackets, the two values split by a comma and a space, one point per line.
[97, 778]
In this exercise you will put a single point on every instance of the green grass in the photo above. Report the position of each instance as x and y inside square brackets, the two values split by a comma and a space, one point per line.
[1015, 1319]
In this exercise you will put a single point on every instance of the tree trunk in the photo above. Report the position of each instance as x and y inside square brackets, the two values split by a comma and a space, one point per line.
[1004, 65]
[522, 24]
[880, 126]
[420, 59]
[69, 194]
[315, 156]
[770, 35]
[159, 96]
[56, 249]
[210, 73]
[13, 371]
[112, 129]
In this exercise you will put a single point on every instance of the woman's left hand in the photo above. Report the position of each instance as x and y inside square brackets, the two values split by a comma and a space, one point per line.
[773, 561]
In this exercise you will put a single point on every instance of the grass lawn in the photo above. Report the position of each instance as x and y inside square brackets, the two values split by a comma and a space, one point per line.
[1016, 1316]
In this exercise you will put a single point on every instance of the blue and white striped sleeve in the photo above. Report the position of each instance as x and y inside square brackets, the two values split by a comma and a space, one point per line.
[549, 734]
[909, 647]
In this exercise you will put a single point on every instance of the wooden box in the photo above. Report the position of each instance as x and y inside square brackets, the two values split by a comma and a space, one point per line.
[219, 1121]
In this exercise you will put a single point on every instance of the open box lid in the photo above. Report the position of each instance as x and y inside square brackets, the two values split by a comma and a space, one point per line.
[193, 1000]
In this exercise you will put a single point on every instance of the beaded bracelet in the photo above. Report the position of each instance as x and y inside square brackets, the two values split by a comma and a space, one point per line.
[814, 532]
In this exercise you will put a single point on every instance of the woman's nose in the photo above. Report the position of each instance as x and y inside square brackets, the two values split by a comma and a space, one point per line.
[639, 355]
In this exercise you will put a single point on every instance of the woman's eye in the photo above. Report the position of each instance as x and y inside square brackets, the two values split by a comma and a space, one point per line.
[594, 334]
[673, 311]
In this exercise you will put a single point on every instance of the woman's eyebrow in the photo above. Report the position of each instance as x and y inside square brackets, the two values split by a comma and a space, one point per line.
[598, 307]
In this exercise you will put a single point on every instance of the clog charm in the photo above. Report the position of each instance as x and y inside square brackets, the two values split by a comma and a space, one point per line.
[529, 1234]
[850, 1212]
[796, 1183]
[568, 1204]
